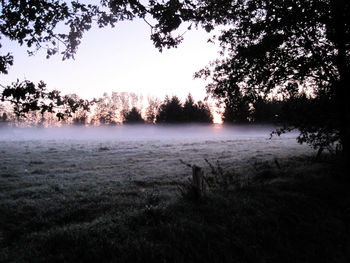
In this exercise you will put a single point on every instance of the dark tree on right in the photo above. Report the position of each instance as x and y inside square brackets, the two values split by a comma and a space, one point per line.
[281, 45]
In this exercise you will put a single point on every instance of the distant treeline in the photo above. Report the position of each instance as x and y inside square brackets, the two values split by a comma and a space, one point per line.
[27, 104]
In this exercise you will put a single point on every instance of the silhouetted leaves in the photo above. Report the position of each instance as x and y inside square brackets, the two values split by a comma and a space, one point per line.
[286, 45]
[24, 96]
[27, 97]
[35, 24]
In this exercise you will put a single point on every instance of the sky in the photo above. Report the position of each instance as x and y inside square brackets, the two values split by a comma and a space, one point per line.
[118, 59]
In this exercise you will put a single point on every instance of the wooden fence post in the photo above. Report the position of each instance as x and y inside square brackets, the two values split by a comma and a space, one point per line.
[198, 180]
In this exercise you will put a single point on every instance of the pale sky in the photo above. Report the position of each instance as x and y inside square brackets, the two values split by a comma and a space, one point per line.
[118, 59]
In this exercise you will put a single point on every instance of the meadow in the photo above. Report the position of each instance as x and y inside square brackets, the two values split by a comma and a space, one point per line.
[121, 194]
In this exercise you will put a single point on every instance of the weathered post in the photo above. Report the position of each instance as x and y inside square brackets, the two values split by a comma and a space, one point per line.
[198, 180]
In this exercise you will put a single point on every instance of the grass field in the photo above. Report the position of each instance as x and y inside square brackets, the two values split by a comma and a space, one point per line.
[77, 196]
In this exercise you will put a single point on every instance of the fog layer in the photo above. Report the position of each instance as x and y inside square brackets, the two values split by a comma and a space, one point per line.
[138, 132]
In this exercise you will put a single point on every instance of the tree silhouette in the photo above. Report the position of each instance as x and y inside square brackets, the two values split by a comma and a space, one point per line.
[189, 109]
[73, 107]
[236, 108]
[196, 112]
[204, 113]
[27, 97]
[170, 111]
[133, 117]
[77, 108]
[281, 43]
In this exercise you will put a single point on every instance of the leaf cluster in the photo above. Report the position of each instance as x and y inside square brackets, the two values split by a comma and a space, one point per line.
[25, 97]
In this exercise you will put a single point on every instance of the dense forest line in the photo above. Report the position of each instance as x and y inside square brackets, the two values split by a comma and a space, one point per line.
[25, 103]
[51, 108]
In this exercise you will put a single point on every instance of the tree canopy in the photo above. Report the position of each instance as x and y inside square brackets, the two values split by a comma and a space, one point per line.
[196, 112]
[26, 97]
[269, 45]
[281, 45]
[133, 117]
[172, 111]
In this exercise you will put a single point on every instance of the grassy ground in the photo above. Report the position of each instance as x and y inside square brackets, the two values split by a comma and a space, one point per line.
[295, 210]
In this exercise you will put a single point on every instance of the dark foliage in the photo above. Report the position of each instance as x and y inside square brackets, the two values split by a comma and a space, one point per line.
[267, 111]
[172, 111]
[316, 128]
[236, 108]
[133, 117]
[196, 112]
[26, 96]
[283, 44]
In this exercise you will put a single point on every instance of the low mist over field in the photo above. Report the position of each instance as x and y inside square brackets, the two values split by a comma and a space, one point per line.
[140, 132]
[146, 151]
